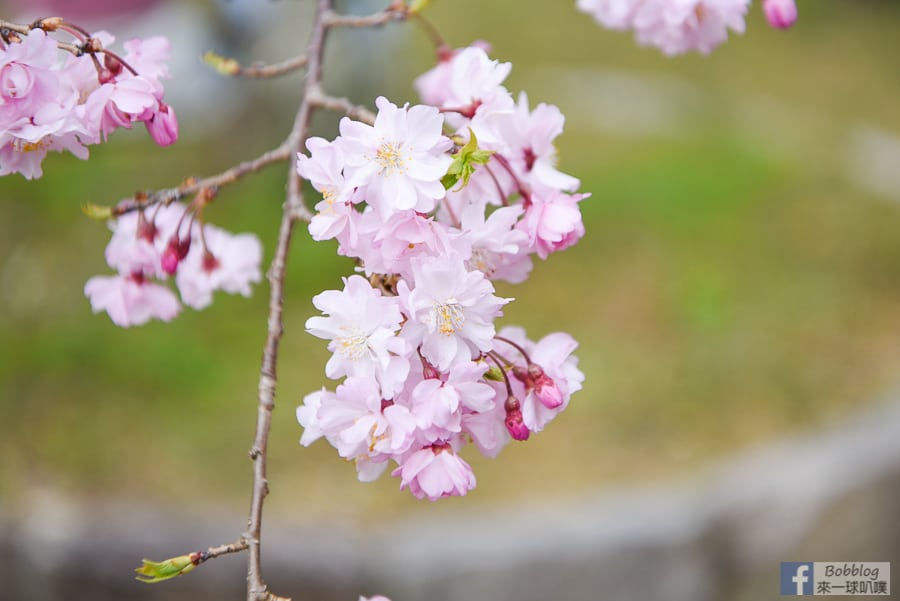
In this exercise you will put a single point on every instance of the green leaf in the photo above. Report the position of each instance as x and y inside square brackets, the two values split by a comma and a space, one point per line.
[222, 65]
[152, 571]
[98, 212]
[494, 374]
[464, 162]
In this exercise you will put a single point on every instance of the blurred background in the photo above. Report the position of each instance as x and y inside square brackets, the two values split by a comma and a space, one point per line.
[738, 286]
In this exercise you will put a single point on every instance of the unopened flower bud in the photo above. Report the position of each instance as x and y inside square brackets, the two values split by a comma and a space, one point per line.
[175, 251]
[113, 64]
[780, 14]
[210, 262]
[514, 422]
[105, 76]
[163, 125]
[544, 388]
[146, 230]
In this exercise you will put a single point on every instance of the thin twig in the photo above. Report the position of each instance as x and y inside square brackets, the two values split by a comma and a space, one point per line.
[237, 546]
[395, 12]
[344, 106]
[261, 71]
[166, 196]
[75, 49]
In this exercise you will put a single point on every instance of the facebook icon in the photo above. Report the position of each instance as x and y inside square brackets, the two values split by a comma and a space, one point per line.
[796, 578]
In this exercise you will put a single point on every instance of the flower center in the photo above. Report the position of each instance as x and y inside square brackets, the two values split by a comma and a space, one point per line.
[389, 156]
[449, 317]
[482, 261]
[700, 12]
[23, 146]
[352, 346]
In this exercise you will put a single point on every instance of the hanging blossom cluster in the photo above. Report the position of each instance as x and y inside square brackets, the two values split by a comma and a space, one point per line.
[433, 221]
[54, 100]
[678, 26]
[148, 247]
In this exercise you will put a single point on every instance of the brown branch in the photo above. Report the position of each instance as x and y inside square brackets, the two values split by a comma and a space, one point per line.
[262, 71]
[49, 25]
[237, 546]
[396, 11]
[294, 209]
[343, 106]
[191, 186]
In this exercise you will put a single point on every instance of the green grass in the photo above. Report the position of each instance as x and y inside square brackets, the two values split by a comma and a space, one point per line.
[732, 286]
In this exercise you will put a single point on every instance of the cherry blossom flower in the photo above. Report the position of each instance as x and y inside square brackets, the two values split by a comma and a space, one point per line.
[497, 248]
[220, 261]
[130, 300]
[359, 424]
[553, 223]
[146, 247]
[400, 160]
[529, 136]
[451, 310]
[781, 14]
[435, 471]
[553, 354]
[50, 103]
[674, 26]
[361, 326]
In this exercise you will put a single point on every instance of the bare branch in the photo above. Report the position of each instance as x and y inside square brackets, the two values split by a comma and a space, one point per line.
[294, 209]
[237, 546]
[259, 71]
[191, 186]
[344, 106]
[396, 11]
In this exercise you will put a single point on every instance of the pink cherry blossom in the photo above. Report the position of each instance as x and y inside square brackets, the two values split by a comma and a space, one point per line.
[435, 471]
[674, 26]
[451, 310]
[553, 222]
[361, 325]
[51, 100]
[359, 423]
[223, 261]
[400, 160]
[529, 136]
[553, 354]
[163, 125]
[131, 301]
[497, 248]
[781, 14]
[612, 14]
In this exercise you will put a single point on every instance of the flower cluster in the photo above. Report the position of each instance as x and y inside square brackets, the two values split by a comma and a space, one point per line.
[677, 26]
[433, 220]
[48, 102]
[146, 249]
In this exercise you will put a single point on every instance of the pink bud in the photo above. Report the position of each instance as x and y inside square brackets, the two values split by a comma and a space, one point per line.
[547, 392]
[544, 388]
[781, 14]
[175, 251]
[163, 125]
[112, 64]
[105, 76]
[514, 422]
[210, 262]
[169, 259]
